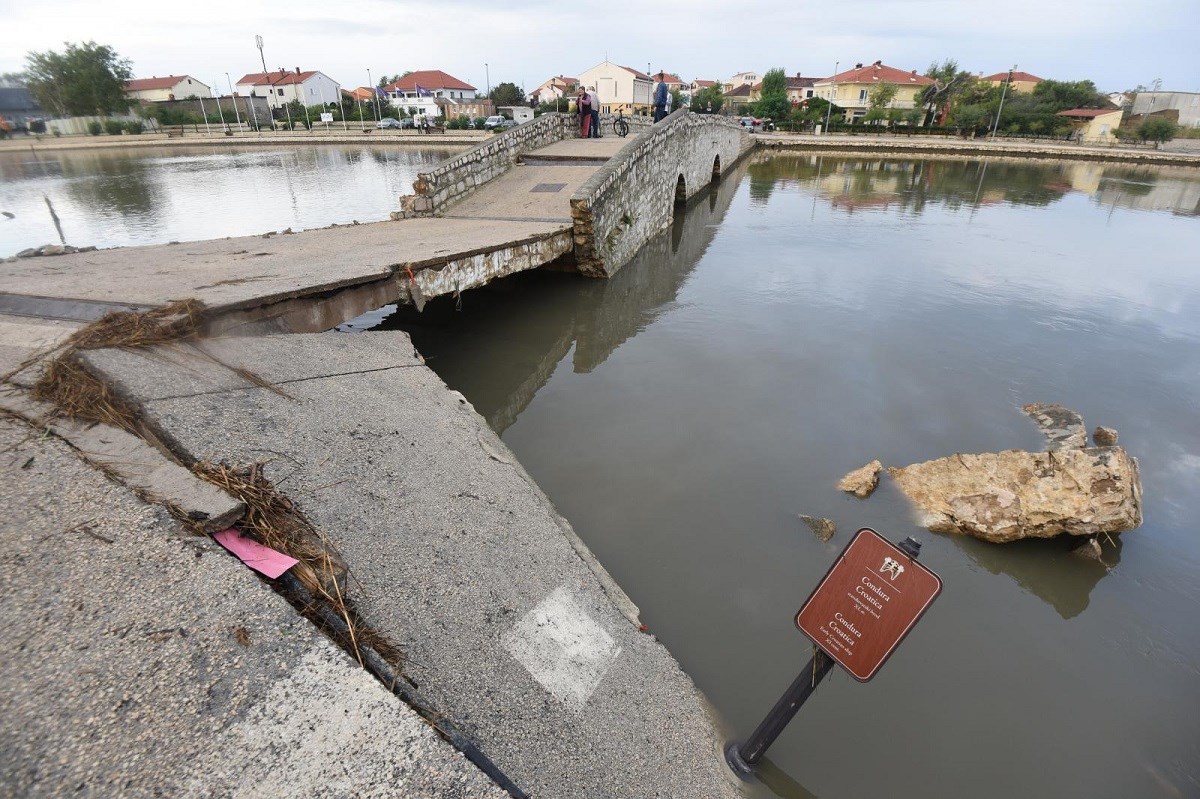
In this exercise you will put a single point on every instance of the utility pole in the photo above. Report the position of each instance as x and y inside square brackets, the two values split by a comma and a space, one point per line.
[832, 94]
[236, 113]
[258, 42]
[488, 77]
[996, 124]
[374, 93]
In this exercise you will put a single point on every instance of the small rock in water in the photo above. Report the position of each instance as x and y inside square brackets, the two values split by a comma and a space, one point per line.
[862, 481]
[287, 231]
[822, 528]
[1088, 550]
[1104, 437]
[1062, 427]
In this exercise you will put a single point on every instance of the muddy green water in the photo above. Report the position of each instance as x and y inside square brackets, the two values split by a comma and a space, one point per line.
[815, 314]
[152, 195]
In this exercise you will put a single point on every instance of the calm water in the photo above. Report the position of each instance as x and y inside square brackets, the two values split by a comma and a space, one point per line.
[113, 198]
[815, 314]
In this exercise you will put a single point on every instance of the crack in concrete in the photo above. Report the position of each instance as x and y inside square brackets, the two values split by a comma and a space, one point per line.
[231, 389]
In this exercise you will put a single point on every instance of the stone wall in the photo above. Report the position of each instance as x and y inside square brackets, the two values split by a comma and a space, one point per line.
[635, 194]
[455, 178]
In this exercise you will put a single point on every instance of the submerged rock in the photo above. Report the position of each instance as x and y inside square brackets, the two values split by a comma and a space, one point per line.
[862, 481]
[822, 528]
[1104, 437]
[1088, 550]
[1062, 427]
[1006, 496]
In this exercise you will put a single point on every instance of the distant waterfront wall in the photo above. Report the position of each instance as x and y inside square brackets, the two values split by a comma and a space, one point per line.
[634, 195]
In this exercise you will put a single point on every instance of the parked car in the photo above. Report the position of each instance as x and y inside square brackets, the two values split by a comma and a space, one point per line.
[388, 122]
[494, 122]
[408, 122]
[508, 123]
[751, 123]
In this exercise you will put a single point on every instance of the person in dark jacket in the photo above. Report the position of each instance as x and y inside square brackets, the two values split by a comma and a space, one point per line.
[661, 98]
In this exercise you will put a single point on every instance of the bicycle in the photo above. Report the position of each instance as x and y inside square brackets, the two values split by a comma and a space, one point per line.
[620, 126]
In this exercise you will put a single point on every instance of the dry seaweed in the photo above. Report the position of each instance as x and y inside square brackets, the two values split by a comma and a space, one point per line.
[274, 521]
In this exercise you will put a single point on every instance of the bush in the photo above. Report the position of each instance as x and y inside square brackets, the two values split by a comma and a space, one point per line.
[94, 128]
[134, 127]
[1158, 130]
[112, 127]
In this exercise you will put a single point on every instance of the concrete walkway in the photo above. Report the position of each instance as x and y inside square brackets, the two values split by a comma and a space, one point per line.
[513, 630]
[143, 661]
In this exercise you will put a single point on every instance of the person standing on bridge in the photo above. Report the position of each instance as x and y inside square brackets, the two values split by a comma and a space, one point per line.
[661, 97]
[594, 99]
[584, 105]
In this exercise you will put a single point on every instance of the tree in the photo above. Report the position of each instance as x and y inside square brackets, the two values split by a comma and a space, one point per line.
[507, 94]
[773, 100]
[677, 100]
[1158, 130]
[949, 82]
[708, 100]
[878, 98]
[87, 79]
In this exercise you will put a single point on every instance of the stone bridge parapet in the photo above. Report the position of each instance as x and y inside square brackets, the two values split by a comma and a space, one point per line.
[455, 178]
[635, 194]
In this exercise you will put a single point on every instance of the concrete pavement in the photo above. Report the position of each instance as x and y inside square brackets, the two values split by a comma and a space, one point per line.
[514, 631]
[142, 661]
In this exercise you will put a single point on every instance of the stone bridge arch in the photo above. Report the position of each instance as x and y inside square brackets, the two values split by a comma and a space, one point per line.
[635, 194]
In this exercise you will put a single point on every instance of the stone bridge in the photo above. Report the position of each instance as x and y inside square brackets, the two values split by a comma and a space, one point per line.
[629, 189]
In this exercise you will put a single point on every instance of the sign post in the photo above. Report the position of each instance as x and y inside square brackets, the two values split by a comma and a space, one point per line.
[868, 601]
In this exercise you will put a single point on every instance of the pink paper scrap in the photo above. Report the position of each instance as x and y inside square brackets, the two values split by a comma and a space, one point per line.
[258, 557]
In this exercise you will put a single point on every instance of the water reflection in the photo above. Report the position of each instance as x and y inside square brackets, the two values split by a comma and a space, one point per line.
[1047, 569]
[154, 195]
[911, 185]
[541, 317]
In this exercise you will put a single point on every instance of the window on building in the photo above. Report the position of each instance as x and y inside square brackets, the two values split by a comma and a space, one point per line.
[809, 94]
[280, 91]
[862, 95]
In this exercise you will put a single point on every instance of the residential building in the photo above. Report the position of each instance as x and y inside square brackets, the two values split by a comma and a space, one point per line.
[747, 78]
[431, 92]
[619, 88]
[170, 87]
[1186, 103]
[737, 96]
[698, 84]
[800, 88]
[674, 82]
[1021, 81]
[1094, 125]
[17, 106]
[362, 93]
[282, 87]
[554, 89]
[851, 90]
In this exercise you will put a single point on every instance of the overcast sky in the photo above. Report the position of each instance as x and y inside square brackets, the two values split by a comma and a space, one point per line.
[1116, 44]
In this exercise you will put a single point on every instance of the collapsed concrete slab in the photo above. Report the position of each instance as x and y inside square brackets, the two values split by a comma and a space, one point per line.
[1006, 496]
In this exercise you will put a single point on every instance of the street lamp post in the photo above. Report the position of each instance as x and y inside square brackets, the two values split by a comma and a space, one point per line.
[488, 77]
[1003, 93]
[832, 94]
[375, 94]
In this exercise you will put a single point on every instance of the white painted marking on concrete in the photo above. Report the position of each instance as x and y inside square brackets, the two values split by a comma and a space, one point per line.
[563, 647]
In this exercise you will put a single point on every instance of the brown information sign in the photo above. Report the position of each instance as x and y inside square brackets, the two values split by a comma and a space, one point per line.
[870, 599]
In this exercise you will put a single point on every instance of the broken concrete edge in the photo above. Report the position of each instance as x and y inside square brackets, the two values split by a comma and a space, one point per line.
[160, 481]
[862, 481]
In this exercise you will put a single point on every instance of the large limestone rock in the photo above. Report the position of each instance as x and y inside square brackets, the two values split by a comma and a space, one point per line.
[1005, 496]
